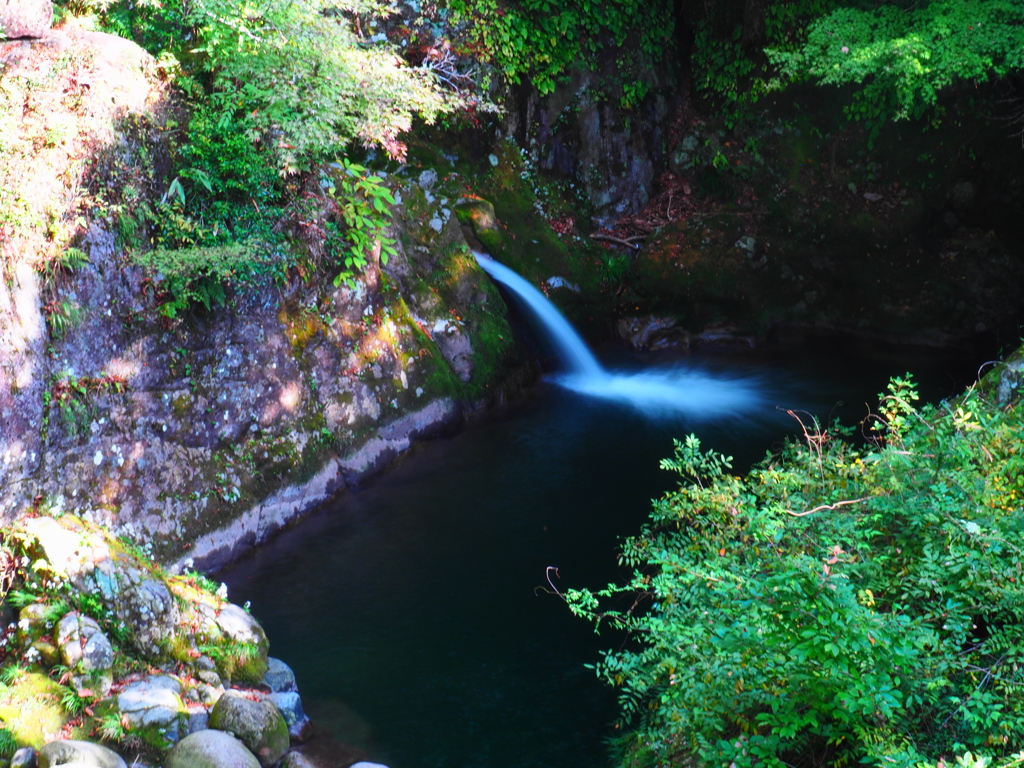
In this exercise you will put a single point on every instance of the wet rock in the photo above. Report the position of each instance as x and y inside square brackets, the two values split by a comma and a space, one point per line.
[28, 19]
[210, 749]
[651, 332]
[323, 751]
[279, 677]
[290, 706]
[86, 651]
[259, 725]
[561, 282]
[297, 759]
[79, 754]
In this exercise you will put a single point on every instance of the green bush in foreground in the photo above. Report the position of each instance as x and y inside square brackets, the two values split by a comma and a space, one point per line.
[839, 605]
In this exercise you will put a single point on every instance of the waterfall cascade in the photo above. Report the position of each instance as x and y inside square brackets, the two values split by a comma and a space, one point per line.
[677, 389]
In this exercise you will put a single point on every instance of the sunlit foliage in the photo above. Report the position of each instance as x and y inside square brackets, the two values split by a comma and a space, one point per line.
[841, 604]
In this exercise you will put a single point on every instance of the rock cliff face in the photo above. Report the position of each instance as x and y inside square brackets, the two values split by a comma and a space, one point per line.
[255, 412]
[206, 433]
[52, 120]
[612, 145]
[261, 409]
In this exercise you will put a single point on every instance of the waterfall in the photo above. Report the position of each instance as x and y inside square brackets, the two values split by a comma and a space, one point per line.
[570, 348]
[661, 390]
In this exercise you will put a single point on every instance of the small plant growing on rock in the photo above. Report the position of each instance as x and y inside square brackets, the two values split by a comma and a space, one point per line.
[363, 203]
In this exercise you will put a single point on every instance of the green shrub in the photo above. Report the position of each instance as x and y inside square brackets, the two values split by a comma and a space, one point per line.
[364, 206]
[900, 58]
[297, 76]
[201, 276]
[539, 40]
[841, 604]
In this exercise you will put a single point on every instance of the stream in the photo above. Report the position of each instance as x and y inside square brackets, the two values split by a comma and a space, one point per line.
[413, 609]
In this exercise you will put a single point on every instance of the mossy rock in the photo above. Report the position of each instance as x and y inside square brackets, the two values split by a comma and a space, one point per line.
[31, 709]
[259, 724]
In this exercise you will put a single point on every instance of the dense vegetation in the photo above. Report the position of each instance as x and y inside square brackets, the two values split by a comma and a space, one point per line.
[846, 602]
[895, 58]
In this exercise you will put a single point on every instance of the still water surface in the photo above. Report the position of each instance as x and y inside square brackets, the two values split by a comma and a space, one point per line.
[412, 611]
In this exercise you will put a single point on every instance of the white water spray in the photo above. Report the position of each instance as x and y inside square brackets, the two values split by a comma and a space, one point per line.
[677, 389]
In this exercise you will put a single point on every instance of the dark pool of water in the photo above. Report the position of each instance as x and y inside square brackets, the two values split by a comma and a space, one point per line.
[413, 610]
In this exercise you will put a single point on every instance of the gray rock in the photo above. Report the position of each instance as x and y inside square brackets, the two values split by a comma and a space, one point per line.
[428, 178]
[210, 749]
[198, 720]
[150, 613]
[208, 694]
[86, 651]
[82, 753]
[297, 760]
[153, 709]
[234, 622]
[259, 725]
[279, 677]
[1010, 380]
[455, 347]
[24, 758]
[651, 332]
[144, 604]
[289, 705]
[209, 677]
[25, 18]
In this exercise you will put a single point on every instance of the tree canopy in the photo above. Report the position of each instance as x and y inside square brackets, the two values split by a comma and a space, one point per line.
[898, 57]
[901, 58]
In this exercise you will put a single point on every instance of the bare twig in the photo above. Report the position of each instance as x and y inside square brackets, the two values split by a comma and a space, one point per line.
[827, 506]
[626, 242]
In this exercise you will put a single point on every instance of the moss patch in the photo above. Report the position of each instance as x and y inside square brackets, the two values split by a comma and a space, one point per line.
[31, 708]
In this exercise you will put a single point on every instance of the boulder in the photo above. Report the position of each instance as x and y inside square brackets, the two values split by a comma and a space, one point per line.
[210, 749]
[79, 754]
[279, 677]
[24, 758]
[651, 332]
[142, 602]
[243, 630]
[153, 710]
[25, 18]
[259, 724]
[289, 705]
[297, 760]
[31, 709]
[125, 587]
[86, 651]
